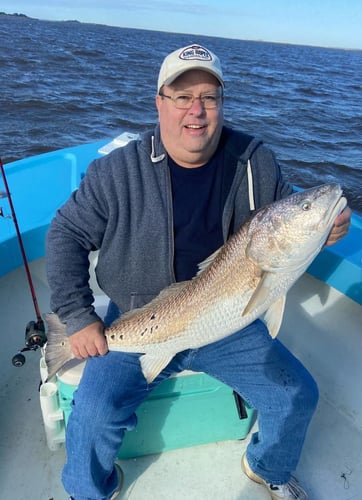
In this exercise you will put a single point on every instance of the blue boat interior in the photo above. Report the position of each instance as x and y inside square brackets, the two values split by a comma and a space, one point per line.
[321, 325]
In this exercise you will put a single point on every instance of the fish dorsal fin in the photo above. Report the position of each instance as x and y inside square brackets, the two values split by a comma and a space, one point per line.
[274, 316]
[207, 262]
[152, 365]
[261, 293]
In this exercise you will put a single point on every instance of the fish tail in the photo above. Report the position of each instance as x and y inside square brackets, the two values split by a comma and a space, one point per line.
[57, 349]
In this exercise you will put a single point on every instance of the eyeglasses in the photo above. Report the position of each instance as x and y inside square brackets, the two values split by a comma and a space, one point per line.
[185, 101]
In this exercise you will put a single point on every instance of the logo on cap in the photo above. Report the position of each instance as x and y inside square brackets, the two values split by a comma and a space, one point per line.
[195, 52]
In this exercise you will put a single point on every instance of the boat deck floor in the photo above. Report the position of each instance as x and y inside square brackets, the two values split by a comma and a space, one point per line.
[331, 464]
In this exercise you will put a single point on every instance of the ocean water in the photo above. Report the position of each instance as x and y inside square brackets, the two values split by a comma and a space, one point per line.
[68, 83]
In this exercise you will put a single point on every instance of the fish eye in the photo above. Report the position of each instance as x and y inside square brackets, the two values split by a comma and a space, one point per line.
[306, 205]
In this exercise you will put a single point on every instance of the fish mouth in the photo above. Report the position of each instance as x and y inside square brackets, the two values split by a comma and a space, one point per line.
[336, 209]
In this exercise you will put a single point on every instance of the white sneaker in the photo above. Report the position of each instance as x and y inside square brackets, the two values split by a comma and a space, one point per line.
[288, 491]
[120, 482]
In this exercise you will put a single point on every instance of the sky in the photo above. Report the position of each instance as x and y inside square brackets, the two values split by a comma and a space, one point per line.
[325, 23]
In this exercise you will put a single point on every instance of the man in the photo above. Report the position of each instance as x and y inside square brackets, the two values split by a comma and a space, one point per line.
[155, 209]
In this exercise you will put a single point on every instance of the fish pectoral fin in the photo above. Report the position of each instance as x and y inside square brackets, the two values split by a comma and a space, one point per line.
[261, 293]
[152, 365]
[274, 316]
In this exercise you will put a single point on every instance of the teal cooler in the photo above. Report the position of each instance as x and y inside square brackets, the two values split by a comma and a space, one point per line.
[186, 410]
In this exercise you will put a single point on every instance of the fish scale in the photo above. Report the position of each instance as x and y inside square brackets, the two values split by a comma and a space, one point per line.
[205, 297]
[246, 279]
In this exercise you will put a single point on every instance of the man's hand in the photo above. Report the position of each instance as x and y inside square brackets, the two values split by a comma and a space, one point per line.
[340, 227]
[90, 341]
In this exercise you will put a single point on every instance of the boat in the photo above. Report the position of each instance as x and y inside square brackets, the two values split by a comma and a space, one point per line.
[321, 326]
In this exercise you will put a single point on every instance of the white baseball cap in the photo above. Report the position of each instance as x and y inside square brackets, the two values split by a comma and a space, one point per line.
[185, 59]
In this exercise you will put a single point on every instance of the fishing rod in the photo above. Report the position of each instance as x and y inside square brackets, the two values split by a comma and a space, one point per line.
[35, 331]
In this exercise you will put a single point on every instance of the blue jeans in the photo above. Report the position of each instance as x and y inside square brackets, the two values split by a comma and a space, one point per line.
[256, 366]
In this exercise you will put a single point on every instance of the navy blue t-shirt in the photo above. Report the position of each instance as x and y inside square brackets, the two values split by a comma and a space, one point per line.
[197, 213]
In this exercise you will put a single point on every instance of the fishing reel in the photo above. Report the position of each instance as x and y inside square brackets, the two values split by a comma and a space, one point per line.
[35, 337]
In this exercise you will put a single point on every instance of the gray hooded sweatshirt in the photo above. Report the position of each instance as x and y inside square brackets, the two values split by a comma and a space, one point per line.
[123, 208]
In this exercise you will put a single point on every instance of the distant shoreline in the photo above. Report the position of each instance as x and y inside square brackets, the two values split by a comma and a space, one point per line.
[24, 16]
[14, 15]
